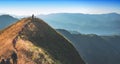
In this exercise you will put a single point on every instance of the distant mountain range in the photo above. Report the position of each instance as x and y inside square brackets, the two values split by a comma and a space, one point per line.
[100, 24]
[6, 20]
[95, 49]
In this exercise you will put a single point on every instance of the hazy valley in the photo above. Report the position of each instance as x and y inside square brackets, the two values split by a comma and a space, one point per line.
[95, 49]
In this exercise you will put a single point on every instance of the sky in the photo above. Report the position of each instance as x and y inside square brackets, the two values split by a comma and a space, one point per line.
[37, 7]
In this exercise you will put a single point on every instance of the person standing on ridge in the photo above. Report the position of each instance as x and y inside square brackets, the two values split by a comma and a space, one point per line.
[32, 17]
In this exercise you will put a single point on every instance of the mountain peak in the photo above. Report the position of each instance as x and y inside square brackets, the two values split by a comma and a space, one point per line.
[34, 41]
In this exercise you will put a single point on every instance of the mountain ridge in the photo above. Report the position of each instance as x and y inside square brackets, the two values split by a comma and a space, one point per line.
[100, 24]
[37, 34]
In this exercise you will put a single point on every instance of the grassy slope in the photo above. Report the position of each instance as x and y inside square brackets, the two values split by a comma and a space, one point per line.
[47, 38]
[40, 40]
[26, 51]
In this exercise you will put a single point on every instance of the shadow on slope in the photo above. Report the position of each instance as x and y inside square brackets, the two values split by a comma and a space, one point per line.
[36, 38]
[95, 49]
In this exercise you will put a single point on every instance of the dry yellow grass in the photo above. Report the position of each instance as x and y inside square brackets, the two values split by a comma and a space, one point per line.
[38, 44]
[26, 51]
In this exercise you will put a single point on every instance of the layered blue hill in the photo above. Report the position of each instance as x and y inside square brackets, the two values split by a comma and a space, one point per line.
[101, 24]
[6, 20]
[95, 49]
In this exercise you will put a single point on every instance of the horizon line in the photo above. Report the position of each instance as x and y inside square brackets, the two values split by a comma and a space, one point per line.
[58, 13]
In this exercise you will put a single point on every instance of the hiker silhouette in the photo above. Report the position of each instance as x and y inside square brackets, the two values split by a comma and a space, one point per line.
[33, 17]
[2, 62]
[14, 57]
[8, 61]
